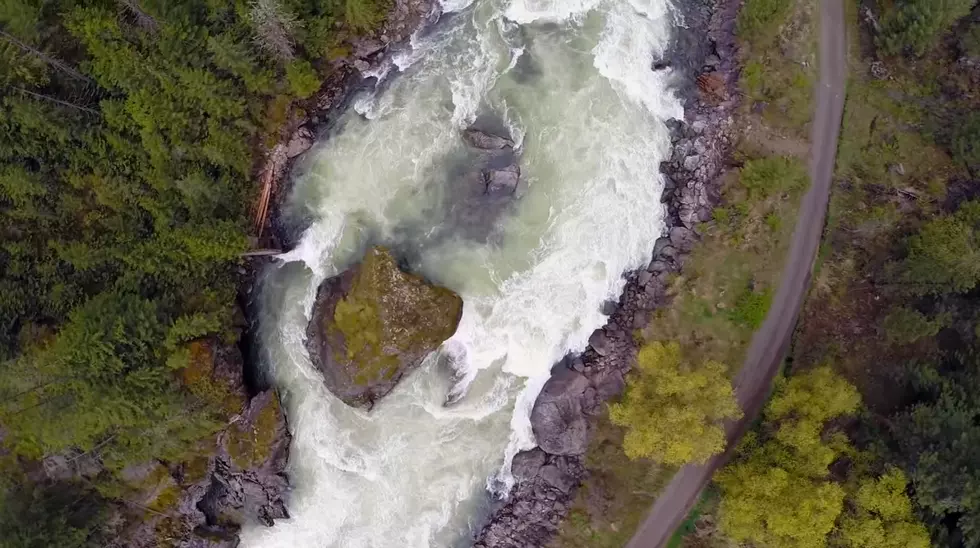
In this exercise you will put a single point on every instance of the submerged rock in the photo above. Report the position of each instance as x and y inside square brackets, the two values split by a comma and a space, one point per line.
[374, 323]
[483, 140]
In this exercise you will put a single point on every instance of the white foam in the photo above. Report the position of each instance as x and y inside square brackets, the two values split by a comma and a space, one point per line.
[411, 473]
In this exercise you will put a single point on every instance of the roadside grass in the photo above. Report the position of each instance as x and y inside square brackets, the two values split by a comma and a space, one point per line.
[723, 292]
[779, 65]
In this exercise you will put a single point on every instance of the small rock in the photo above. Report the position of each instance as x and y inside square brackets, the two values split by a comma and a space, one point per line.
[658, 266]
[361, 65]
[692, 162]
[502, 181]
[712, 61]
[299, 142]
[643, 278]
[659, 246]
[486, 141]
[662, 64]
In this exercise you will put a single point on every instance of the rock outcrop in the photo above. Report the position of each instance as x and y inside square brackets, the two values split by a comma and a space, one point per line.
[546, 478]
[374, 323]
[236, 479]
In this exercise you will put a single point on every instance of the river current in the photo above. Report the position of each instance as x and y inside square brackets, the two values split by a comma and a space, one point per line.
[570, 80]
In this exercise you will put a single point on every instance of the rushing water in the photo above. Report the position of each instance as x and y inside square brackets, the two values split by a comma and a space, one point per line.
[571, 81]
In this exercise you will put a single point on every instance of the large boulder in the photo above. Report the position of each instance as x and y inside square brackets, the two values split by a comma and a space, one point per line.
[557, 418]
[374, 323]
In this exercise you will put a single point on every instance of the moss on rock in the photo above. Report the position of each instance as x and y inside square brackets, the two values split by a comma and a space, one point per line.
[374, 322]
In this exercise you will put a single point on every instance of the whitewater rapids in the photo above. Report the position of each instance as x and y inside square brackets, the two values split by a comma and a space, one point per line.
[571, 81]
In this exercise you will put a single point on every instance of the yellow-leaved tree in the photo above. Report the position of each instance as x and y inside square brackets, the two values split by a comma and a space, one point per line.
[779, 492]
[672, 410]
[881, 516]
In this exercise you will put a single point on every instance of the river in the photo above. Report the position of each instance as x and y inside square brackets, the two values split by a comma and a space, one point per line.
[571, 81]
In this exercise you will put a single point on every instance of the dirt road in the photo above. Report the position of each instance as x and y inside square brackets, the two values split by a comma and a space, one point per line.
[770, 343]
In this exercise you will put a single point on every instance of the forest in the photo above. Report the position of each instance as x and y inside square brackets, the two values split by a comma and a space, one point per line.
[129, 133]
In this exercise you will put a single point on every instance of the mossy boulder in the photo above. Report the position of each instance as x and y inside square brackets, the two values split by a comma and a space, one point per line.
[374, 323]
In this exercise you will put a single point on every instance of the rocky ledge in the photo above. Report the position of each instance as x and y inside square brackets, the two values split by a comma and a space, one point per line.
[374, 323]
[703, 57]
[236, 478]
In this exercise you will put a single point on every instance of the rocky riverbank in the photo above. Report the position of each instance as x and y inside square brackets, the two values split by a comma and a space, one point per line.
[704, 58]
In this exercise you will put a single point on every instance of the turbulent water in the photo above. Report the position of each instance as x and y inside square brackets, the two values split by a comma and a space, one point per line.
[570, 80]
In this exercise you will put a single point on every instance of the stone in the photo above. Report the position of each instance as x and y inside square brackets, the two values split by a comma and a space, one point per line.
[526, 464]
[644, 277]
[658, 266]
[683, 238]
[361, 65]
[557, 420]
[692, 162]
[551, 475]
[301, 141]
[659, 246]
[660, 65]
[502, 181]
[486, 141]
[609, 383]
[374, 323]
[600, 342]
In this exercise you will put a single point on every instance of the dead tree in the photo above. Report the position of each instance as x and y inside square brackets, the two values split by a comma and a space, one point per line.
[274, 26]
[58, 65]
[143, 20]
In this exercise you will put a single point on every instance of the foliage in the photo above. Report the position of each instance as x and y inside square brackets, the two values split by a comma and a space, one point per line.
[779, 492]
[966, 139]
[303, 80]
[759, 20]
[914, 26]
[64, 515]
[751, 308]
[128, 134]
[938, 443]
[672, 410]
[881, 515]
[765, 177]
[944, 255]
[906, 325]
[364, 15]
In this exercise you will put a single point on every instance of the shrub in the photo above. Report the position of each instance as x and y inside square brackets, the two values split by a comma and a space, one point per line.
[672, 410]
[303, 79]
[751, 308]
[966, 142]
[773, 175]
[906, 325]
[914, 26]
[759, 21]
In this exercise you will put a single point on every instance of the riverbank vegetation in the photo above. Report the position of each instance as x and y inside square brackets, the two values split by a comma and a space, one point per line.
[723, 291]
[128, 135]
